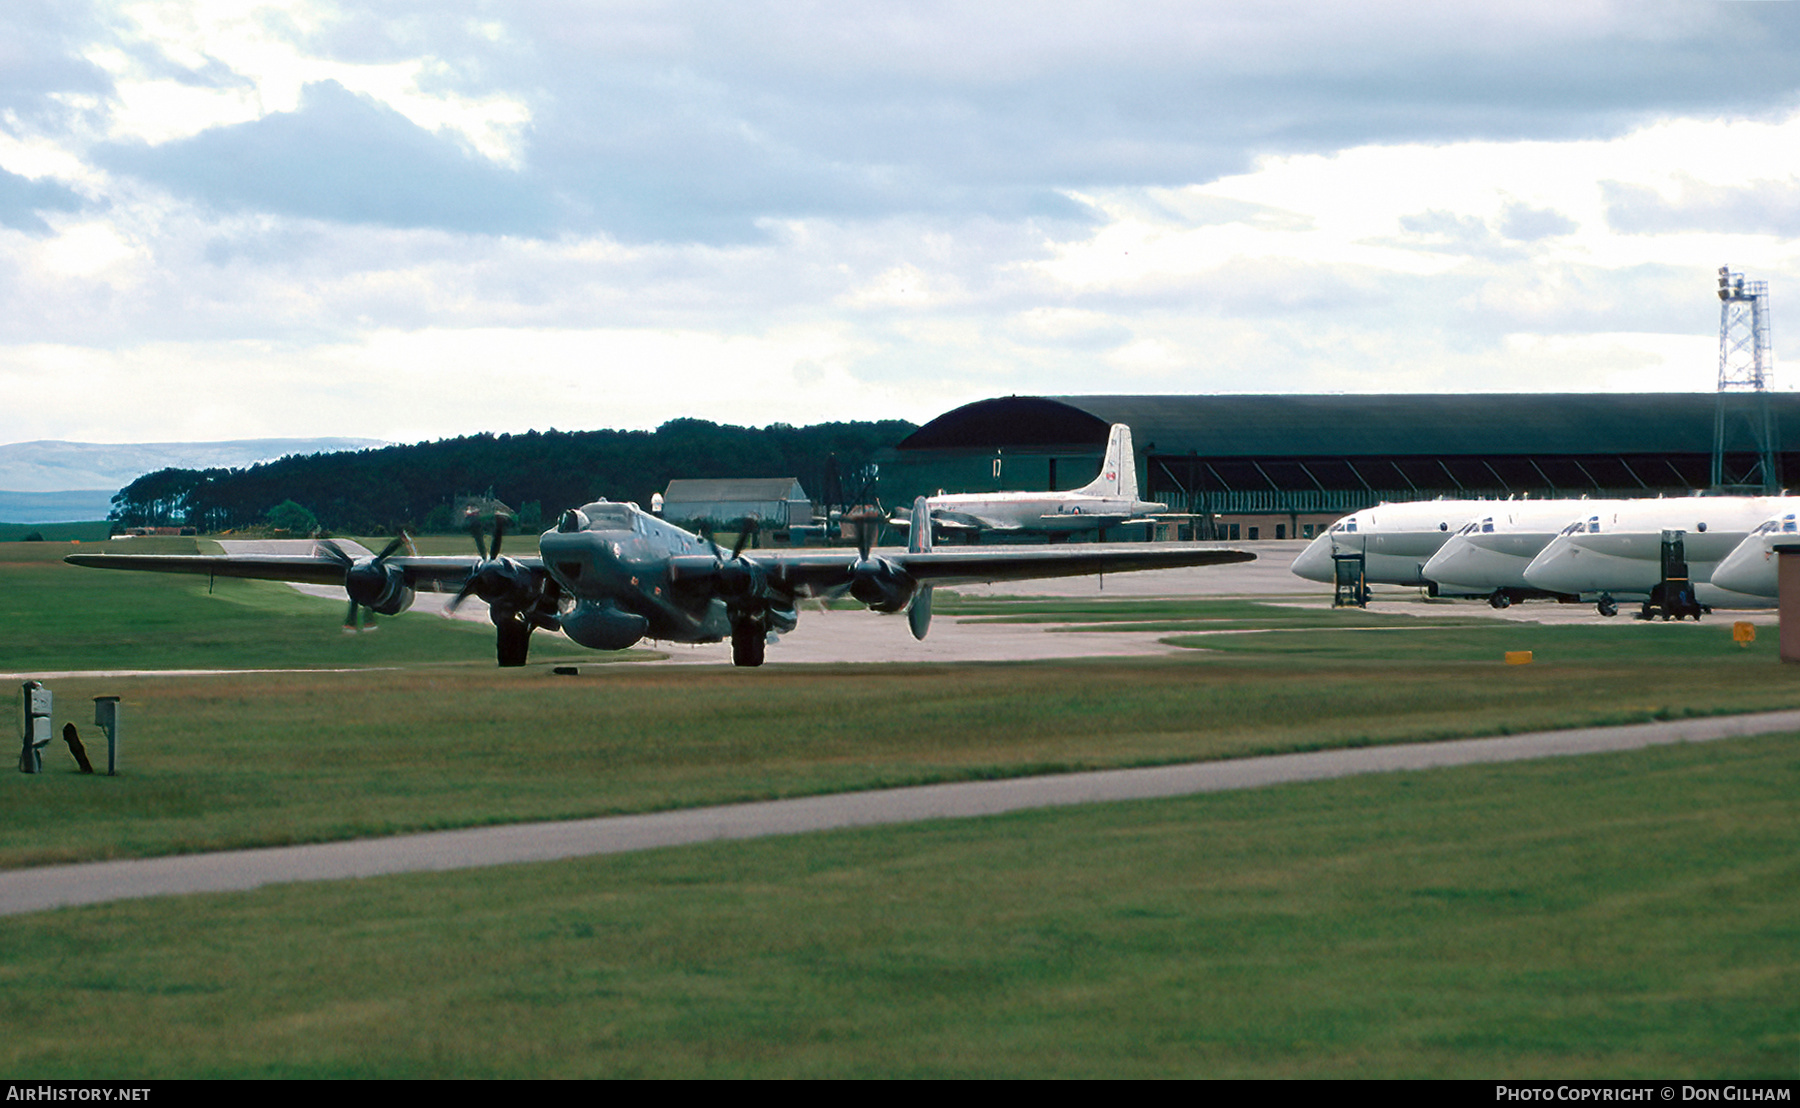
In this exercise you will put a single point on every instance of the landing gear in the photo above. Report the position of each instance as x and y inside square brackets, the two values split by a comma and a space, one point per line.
[1499, 600]
[1607, 606]
[513, 640]
[748, 643]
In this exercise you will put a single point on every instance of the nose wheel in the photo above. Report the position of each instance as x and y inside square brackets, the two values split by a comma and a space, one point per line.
[1607, 606]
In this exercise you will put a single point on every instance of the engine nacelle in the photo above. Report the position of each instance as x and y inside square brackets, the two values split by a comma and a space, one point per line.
[881, 585]
[603, 625]
[378, 586]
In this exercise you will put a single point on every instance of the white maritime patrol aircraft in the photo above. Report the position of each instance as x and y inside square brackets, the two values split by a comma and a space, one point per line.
[1617, 553]
[1489, 555]
[1751, 569]
[1395, 540]
[1109, 500]
[610, 574]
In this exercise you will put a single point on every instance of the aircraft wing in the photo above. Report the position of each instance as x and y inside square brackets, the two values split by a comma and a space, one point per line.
[429, 574]
[819, 571]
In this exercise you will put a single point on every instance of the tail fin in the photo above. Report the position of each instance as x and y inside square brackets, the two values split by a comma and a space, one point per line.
[920, 540]
[1118, 473]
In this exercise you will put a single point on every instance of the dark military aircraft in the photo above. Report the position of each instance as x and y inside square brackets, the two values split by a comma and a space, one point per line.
[610, 574]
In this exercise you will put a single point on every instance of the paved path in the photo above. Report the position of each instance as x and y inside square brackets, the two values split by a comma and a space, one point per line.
[33, 890]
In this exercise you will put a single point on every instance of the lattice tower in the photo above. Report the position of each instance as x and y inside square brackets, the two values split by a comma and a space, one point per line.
[1744, 423]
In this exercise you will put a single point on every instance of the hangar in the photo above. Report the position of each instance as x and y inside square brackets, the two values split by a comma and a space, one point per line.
[1261, 467]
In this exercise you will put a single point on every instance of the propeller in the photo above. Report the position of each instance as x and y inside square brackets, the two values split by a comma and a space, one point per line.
[519, 599]
[882, 585]
[740, 578]
[877, 582]
[372, 583]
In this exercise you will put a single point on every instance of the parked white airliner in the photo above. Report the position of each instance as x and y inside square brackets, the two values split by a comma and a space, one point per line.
[1488, 557]
[1109, 500]
[1751, 568]
[1618, 553]
[1395, 540]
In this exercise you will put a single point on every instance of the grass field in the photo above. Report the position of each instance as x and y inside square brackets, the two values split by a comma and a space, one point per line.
[1605, 916]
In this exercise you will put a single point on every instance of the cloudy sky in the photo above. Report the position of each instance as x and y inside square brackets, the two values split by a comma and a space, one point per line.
[406, 220]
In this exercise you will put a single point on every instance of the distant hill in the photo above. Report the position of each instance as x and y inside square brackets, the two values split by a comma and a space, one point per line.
[50, 481]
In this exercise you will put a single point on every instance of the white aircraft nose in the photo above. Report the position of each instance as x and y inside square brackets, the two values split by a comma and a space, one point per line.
[1557, 568]
[1750, 569]
[1314, 563]
[1453, 563]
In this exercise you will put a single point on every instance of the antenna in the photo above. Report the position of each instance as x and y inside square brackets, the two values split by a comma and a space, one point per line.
[1742, 417]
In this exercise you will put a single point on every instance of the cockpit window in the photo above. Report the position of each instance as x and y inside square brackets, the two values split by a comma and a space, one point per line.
[606, 516]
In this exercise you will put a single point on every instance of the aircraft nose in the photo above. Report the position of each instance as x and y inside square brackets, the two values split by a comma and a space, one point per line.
[1449, 562]
[1556, 569]
[1750, 569]
[1314, 563]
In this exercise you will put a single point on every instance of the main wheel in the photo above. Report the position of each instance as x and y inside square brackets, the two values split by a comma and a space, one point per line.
[748, 644]
[512, 641]
[1607, 607]
[1499, 599]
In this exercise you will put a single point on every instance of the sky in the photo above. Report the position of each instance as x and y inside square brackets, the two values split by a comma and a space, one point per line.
[413, 220]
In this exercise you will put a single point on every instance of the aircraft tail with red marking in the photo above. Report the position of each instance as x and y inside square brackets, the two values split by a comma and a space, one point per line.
[1118, 473]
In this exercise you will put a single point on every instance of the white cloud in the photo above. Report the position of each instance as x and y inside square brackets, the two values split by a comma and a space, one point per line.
[763, 213]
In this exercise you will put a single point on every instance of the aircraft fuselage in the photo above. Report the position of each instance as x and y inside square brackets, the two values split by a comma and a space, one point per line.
[622, 569]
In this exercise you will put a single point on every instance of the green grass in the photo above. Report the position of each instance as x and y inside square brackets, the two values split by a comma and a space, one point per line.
[256, 759]
[1607, 916]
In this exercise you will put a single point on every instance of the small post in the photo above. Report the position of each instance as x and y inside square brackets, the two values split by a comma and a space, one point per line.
[106, 717]
[37, 727]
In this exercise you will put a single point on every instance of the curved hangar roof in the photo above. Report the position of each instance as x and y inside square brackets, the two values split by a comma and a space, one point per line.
[1339, 425]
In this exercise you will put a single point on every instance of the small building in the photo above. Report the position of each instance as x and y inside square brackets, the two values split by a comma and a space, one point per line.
[777, 502]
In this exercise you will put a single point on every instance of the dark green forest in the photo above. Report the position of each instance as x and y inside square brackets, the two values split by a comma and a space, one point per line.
[395, 488]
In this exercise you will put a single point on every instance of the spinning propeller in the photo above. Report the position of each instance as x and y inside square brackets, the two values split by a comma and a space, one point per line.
[739, 578]
[373, 584]
[519, 599]
[882, 585]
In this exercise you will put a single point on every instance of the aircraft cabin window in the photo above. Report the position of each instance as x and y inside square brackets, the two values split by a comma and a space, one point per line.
[1487, 526]
[1593, 525]
[1787, 525]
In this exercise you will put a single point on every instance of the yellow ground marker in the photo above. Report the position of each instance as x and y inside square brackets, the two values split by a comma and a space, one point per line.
[1743, 633]
[1518, 657]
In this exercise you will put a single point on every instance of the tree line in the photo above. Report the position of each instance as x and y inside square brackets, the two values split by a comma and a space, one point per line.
[389, 489]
